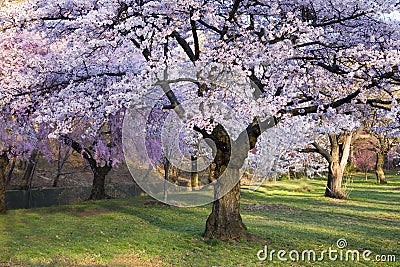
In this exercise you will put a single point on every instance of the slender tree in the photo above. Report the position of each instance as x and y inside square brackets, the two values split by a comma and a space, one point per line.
[29, 170]
[62, 157]
[364, 158]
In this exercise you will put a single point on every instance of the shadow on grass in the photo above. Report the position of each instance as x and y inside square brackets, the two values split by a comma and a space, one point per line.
[103, 229]
[85, 230]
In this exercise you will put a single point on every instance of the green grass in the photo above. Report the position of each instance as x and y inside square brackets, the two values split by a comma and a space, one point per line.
[141, 232]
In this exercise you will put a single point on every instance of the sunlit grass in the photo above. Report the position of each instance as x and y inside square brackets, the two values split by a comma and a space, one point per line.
[142, 232]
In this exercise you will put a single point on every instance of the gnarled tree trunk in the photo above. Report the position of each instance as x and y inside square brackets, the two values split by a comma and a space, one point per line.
[99, 180]
[340, 152]
[225, 221]
[3, 166]
[337, 158]
[334, 185]
[99, 172]
[383, 146]
[380, 174]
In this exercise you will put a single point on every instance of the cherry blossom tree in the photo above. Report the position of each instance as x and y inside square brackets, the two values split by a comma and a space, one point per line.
[300, 57]
[334, 146]
[62, 155]
[363, 155]
[18, 139]
[382, 147]
[101, 152]
[385, 135]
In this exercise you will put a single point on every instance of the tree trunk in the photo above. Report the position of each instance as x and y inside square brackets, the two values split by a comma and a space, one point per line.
[99, 173]
[194, 176]
[380, 174]
[56, 179]
[334, 185]
[59, 167]
[3, 166]
[29, 171]
[225, 222]
[211, 174]
[99, 179]
[340, 152]
[166, 179]
[10, 171]
[61, 159]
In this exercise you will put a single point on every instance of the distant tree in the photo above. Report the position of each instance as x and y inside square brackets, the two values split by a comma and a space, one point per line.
[336, 153]
[394, 157]
[334, 145]
[10, 170]
[364, 159]
[62, 156]
[382, 147]
[101, 152]
[29, 170]
[384, 130]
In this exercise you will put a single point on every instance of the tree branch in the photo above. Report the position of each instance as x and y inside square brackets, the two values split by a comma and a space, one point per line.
[195, 39]
[322, 151]
[185, 46]
[86, 153]
[314, 109]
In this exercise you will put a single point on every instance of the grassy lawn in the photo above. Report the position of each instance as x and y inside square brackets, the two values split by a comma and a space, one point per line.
[141, 232]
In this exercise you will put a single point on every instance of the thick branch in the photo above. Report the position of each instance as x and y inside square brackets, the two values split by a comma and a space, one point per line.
[308, 150]
[175, 104]
[322, 151]
[86, 154]
[254, 130]
[314, 109]
[234, 9]
[195, 39]
[185, 46]
[339, 20]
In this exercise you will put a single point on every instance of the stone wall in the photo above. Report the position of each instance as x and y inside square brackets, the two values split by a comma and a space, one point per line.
[46, 197]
